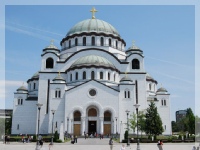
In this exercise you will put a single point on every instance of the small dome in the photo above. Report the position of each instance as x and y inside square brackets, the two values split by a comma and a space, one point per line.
[161, 90]
[22, 88]
[92, 60]
[126, 79]
[58, 78]
[149, 76]
[93, 25]
[51, 46]
[35, 76]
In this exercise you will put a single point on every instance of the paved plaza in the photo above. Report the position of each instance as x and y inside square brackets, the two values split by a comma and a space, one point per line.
[95, 144]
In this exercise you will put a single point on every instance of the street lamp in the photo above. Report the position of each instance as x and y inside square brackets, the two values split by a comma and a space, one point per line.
[39, 107]
[53, 112]
[116, 124]
[127, 112]
[138, 142]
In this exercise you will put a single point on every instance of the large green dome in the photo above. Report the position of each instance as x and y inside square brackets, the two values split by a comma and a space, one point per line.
[92, 60]
[93, 25]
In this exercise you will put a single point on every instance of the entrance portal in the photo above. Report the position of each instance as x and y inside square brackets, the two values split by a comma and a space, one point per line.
[92, 127]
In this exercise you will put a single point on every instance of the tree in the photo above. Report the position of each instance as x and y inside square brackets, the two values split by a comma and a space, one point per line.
[141, 122]
[132, 122]
[8, 125]
[2, 126]
[153, 121]
[190, 121]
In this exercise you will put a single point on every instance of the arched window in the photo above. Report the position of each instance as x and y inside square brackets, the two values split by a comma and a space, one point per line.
[49, 63]
[124, 94]
[101, 75]
[102, 41]
[135, 64]
[69, 43]
[107, 116]
[77, 116]
[17, 126]
[70, 77]
[164, 102]
[92, 75]
[84, 41]
[76, 75]
[108, 76]
[84, 75]
[116, 44]
[110, 44]
[128, 94]
[150, 87]
[114, 77]
[19, 101]
[57, 93]
[93, 41]
[76, 42]
[33, 85]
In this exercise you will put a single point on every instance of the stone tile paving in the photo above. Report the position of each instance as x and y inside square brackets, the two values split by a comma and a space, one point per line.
[95, 144]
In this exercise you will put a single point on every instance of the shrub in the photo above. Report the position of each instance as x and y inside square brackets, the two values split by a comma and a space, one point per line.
[56, 136]
[59, 141]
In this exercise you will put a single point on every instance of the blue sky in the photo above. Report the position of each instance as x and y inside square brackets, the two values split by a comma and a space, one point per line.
[166, 34]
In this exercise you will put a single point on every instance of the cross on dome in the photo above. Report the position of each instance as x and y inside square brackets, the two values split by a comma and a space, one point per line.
[133, 43]
[93, 10]
[52, 41]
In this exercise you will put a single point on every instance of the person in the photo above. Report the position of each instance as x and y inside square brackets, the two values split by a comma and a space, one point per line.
[75, 139]
[85, 134]
[160, 145]
[8, 139]
[72, 139]
[5, 138]
[111, 143]
[194, 148]
[123, 147]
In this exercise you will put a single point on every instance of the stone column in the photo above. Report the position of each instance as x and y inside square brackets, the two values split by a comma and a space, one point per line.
[83, 125]
[101, 125]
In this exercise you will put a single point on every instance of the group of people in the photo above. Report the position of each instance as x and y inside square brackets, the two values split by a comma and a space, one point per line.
[6, 139]
[73, 139]
[194, 148]
[111, 145]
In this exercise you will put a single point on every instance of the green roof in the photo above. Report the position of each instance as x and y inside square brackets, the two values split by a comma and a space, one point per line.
[92, 60]
[93, 25]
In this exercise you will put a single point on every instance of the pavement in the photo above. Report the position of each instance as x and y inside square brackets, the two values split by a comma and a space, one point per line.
[95, 144]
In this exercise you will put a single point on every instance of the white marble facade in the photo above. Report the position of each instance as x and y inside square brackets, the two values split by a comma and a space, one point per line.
[90, 82]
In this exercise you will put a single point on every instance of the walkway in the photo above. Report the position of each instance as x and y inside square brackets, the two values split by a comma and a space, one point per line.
[94, 144]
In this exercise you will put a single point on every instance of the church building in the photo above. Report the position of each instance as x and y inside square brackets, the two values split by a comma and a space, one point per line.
[87, 85]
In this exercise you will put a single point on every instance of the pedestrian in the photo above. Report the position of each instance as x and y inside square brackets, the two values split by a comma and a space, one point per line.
[194, 148]
[85, 135]
[75, 139]
[111, 143]
[100, 136]
[123, 147]
[8, 139]
[72, 139]
[5, 139]
[160, 145]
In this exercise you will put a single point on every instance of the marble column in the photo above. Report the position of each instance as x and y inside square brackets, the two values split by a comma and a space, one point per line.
[101, 125]
[83, 125]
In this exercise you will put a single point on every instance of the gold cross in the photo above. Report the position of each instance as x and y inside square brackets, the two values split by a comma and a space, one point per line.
[52, 42]
[133, 43]
[93, 10]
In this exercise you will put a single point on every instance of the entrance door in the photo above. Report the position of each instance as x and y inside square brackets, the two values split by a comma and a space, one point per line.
[92, 127]
[77, 129]
[107, 129]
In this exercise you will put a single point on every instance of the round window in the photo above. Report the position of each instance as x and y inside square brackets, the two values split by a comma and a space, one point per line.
[92, 92]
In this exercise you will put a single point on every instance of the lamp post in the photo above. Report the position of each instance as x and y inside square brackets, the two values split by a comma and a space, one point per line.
[53, 112]
[67, 126]
[116, 125]
[38, 132]
[138, 142]
[127, 112]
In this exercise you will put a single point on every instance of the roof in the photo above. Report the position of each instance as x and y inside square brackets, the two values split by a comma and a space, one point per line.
[22, 88]
[92, 60]
[36, 75]
[59, 77]
[126, 79]
[161, 90]
[93, 25]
